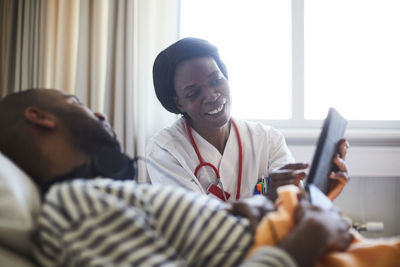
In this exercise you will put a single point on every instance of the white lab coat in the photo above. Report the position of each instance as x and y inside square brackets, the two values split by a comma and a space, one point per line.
[173, 160]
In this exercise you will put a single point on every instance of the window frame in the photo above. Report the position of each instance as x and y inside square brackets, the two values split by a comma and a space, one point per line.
[298, 120]
[386, 132]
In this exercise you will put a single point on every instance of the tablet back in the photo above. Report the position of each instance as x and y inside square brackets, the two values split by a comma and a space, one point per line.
[332, 131]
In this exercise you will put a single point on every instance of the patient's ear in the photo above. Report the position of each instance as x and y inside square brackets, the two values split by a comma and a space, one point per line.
[40, 117]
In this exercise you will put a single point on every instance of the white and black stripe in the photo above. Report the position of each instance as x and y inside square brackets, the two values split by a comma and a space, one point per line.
[107, 222]
[269, 256]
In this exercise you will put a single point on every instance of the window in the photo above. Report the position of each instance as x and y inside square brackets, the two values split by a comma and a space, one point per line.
[290, 60]
[254, 42]
[352, 58]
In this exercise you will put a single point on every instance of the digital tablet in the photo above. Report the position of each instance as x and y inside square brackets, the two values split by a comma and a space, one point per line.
[327, 146]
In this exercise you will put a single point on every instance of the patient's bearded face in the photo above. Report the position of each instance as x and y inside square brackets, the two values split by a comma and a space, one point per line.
[87, 133]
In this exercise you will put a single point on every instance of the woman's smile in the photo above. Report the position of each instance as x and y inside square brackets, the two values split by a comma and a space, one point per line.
[217, 110]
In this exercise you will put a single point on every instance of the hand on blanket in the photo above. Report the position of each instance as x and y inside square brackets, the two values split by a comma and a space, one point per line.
[317, 231]
[253, 208]
[341, 176]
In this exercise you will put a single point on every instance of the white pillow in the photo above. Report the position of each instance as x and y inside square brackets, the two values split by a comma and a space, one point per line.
[19, 207]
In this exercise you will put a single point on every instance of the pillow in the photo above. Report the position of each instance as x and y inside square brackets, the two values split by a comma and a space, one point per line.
[11, 258]
[19, 207]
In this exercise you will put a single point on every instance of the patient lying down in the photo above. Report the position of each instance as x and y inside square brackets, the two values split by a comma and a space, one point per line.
[90, 221]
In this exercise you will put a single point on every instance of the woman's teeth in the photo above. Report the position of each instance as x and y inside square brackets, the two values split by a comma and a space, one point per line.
[215, 111]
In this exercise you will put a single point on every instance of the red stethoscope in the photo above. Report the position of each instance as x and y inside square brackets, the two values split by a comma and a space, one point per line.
[203, 164]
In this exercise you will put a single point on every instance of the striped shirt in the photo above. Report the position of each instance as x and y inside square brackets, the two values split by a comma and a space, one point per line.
[104, 222]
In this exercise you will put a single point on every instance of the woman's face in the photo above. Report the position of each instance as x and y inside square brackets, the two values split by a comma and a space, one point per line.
[202, 91]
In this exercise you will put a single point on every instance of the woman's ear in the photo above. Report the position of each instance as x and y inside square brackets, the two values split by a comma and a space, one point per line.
[40, 117]
[177, 104]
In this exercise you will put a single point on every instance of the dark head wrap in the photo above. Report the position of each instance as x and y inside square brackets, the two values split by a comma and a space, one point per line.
[166, 62]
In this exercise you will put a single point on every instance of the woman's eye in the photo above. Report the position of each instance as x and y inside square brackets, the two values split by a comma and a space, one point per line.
[192, 94]
[218, 80]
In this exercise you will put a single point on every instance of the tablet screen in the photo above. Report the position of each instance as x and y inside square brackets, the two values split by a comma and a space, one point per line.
[332, 131]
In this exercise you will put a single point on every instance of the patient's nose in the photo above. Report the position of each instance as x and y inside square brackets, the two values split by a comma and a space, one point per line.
[100, 116]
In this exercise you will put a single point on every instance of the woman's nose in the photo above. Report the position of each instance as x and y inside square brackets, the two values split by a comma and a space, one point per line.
[212, 95]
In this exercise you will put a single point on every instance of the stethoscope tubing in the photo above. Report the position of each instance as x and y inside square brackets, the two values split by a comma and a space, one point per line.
[203, 163]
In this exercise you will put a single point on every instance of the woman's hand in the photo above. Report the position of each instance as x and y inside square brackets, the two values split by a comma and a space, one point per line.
[291, 173]
[317, 231]
[253, 208]
[295, 172]
[341, 176]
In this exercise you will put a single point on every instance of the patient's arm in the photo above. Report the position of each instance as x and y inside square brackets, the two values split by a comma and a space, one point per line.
[317, 231]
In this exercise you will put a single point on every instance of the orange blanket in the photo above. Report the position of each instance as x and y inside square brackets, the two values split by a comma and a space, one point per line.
[362, 252]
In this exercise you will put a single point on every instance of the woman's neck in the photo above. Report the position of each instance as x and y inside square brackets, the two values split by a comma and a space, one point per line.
[217, 137]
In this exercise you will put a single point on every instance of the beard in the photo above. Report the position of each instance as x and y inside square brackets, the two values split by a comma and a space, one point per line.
[87, 134]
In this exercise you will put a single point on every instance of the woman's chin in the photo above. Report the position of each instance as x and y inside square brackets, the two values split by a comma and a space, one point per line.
[219, 121]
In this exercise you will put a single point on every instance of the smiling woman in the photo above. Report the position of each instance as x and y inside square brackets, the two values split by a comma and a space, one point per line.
[207, 150]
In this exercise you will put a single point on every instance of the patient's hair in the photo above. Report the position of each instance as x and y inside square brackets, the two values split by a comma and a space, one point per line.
[166, 62]
[12, 107]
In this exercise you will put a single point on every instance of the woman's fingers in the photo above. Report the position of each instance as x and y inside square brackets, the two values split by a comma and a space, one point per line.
[340, 177]
[340, 163]
[340, 180]
[343, 146]
[289, 174]
[284, 177]
[295, 166]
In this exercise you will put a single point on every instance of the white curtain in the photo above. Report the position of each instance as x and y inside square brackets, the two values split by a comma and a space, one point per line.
[156, 28]
[100, 50]
[117, 42]
[21, 44]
